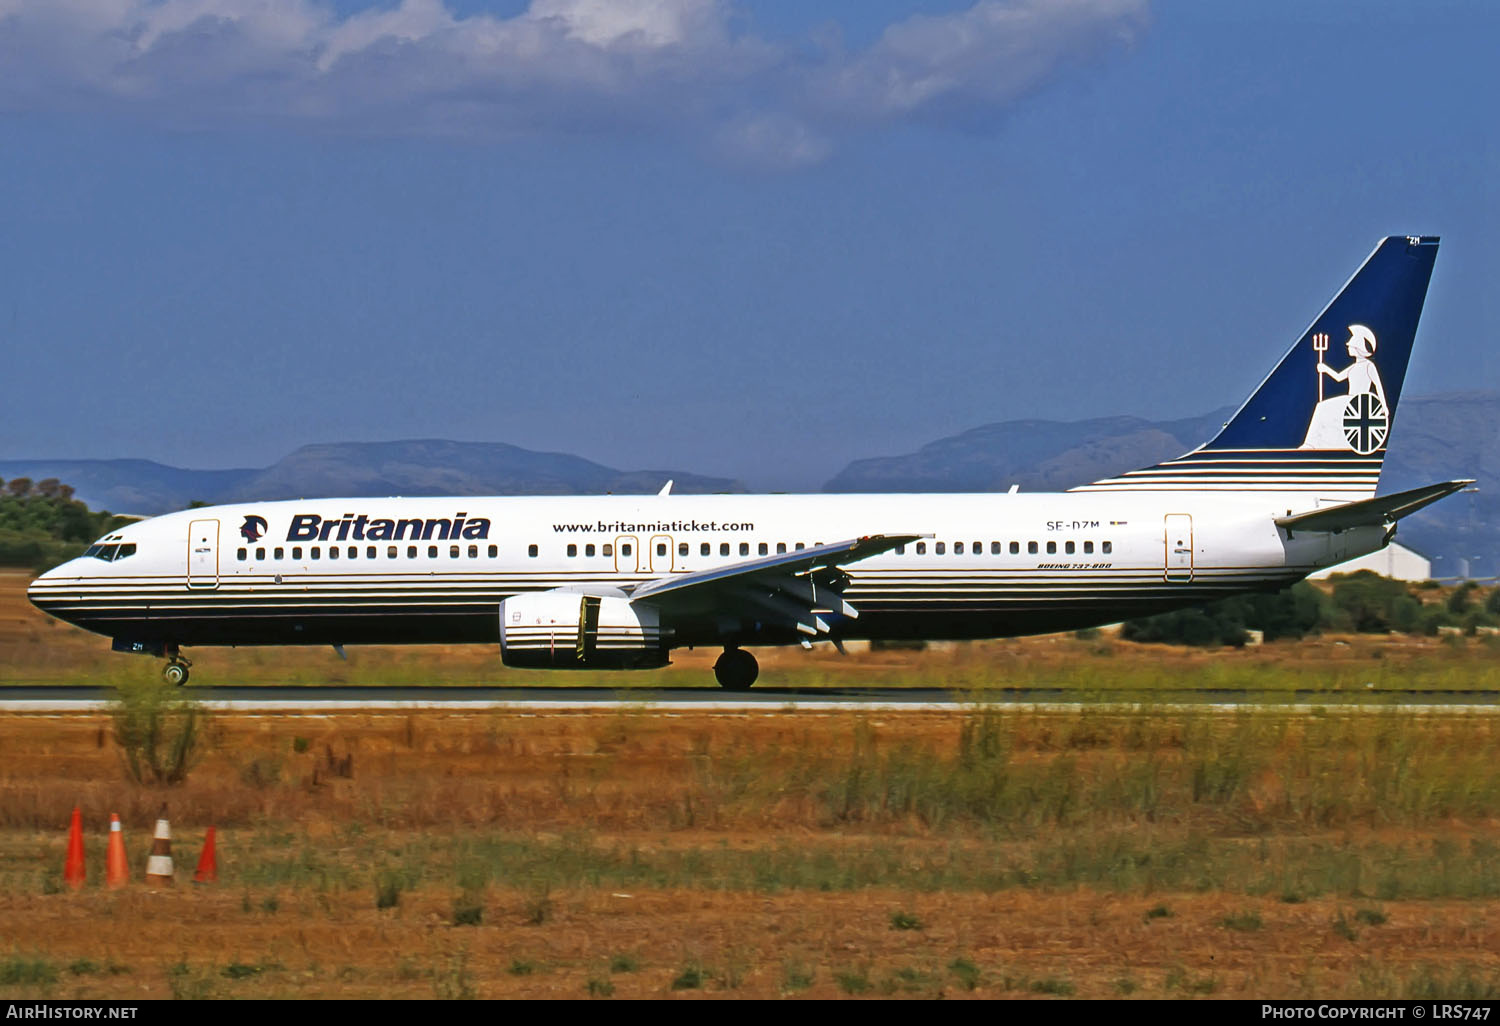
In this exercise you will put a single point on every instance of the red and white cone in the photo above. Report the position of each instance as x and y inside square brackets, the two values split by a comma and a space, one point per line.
[159, 863]
[116, 867]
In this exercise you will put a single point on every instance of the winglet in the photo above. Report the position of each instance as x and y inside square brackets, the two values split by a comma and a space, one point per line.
[666, 489]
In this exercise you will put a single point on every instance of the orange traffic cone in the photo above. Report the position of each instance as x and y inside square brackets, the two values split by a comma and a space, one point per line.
[159, 862]
[116, 868]
[208, 862]
[73, 865]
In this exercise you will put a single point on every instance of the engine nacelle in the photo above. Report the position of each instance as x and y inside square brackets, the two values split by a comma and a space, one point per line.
[563, 630]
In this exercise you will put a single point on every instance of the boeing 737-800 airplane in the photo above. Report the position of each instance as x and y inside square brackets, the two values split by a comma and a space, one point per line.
[1287, 487]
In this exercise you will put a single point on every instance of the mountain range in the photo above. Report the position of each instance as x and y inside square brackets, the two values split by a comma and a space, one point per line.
[1435, 438]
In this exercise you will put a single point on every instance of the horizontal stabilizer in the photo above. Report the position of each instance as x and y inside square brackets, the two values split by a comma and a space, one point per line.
[1376, 512]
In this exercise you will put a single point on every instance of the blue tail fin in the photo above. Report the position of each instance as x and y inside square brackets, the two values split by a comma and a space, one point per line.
[1320, 421]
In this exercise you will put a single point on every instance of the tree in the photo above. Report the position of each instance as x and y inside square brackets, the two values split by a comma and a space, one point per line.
[48, 487]
[20, 487]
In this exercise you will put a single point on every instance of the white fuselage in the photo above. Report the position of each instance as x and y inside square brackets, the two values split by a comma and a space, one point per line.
[399, 570]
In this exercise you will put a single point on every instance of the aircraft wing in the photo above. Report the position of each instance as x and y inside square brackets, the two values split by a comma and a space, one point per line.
[790, 586]
[1380, 511]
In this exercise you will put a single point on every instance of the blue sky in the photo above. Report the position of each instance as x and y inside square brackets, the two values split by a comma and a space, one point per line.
[754, 239]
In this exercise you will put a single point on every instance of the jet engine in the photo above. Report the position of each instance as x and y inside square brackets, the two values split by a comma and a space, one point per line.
[562, 630]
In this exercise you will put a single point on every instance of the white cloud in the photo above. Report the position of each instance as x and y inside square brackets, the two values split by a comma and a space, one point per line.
[671, 66]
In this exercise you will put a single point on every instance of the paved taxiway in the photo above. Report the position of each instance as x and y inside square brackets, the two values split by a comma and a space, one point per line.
[273, 698]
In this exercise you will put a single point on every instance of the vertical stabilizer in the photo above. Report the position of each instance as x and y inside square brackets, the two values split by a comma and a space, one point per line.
[1321, 420]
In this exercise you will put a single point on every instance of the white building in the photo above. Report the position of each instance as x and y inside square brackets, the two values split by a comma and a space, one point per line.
[1395, 561]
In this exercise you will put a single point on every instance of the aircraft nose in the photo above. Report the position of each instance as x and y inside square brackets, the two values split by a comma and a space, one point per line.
[42, 591]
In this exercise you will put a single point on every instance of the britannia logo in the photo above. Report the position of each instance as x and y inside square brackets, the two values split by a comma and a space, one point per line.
[1358, 420]
[254, 528]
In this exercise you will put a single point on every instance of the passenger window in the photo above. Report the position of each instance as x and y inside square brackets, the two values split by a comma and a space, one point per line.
[609, 550]
[353, 551]
[473, 551]
[941, 548]
[800, 546]
[494, 551]
[333, 552]
[624, 549]
[1088, 547]
[452, 551]
[1052, 548]
[958, 548]
[531, 551]
[432, 552]
[411, 552]
[780, 547]
[109, 552]
[978, 548]
[1031, 548]
[682, 548]
[296, 551]
[723, 548]
[370, 552]
[744, 548]
[900, 550]
[260, 555]
[763, 549]
[1068, 548]
[921, 548]
[1107, 547]
[390, 552]
[704, 549]
[279, 553]
[1015, 548]
[994, 548]
[316, 551]
[588, 550]
[572, 550]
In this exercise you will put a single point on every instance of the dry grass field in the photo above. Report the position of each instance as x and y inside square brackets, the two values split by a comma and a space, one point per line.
[1147, 851]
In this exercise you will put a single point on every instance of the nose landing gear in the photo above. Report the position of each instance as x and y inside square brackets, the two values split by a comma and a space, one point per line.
[176, 670]
[736, 669]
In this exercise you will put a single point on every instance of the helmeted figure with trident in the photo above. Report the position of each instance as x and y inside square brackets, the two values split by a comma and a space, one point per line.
[1360, 419]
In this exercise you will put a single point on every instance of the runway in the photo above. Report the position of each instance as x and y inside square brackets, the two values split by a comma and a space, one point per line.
[318, 700]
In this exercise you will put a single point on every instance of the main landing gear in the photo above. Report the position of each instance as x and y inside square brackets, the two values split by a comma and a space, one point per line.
[736, 669]
[176, 670]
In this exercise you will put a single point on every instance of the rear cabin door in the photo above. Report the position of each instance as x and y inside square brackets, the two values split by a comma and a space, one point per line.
[203, 554]
[1179, 546]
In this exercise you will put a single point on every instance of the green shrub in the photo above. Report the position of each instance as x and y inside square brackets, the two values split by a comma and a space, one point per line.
[161, 730]
[1290, 613]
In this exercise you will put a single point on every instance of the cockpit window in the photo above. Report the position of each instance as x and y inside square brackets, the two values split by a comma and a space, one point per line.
[109, 553]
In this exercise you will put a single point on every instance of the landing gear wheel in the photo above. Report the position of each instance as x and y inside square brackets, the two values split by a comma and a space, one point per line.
[175, 674]
[736, 670]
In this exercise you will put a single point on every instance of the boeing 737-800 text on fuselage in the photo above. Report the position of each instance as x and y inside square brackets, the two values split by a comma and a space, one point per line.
[610, 582]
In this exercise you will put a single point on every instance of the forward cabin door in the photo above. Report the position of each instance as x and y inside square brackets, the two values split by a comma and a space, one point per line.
[203, 554]
[1179, 546]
